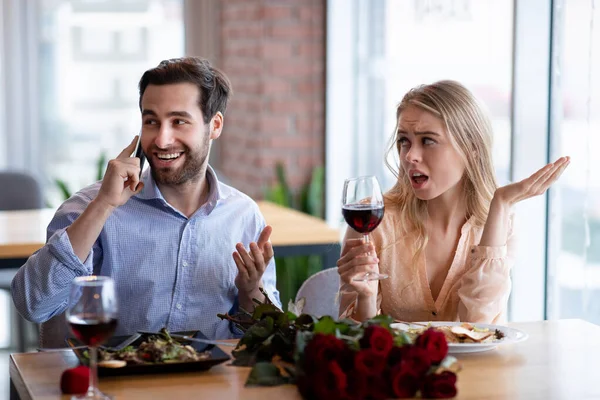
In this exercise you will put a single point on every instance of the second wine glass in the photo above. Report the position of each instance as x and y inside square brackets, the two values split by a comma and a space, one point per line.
[92, 316]
[363, 209]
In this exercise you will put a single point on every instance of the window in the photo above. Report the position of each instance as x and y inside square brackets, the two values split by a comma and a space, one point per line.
[69, 71]
[574, 223]
[464, 40]
[91, 56]
[388, 47]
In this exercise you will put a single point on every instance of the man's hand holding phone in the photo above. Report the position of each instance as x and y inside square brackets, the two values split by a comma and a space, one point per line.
[122, 178]
[139, 153]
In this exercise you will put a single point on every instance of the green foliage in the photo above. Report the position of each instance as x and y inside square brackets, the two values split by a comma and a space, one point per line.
[293, 271]
[100, 166]
[64, 188]
[266, 374]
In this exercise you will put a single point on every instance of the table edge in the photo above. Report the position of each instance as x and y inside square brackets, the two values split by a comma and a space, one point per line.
[16, 380]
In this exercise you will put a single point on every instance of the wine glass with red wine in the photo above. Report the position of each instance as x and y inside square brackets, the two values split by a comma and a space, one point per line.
[362, 208]
[92, 316]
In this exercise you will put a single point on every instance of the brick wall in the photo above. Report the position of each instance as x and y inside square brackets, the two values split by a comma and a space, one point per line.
[274, 53]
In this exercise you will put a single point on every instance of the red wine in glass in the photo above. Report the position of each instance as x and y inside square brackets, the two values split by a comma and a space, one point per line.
[363, 209]
[363, 218]
[91, 330]
[92, 315]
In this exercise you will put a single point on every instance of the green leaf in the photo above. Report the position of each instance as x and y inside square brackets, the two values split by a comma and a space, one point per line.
[266, 374]
[342, 328]
[304, 320]
[266, 350]
[283, 346]
[325, 325]
[285, 188]
[263, 310]
[291, 316]
[402, 338]
[381, 320]
[277, 195]
[243, 358]
[284, 319]
[314, 196]
[63, 188]
[100, 165]
[257, 333]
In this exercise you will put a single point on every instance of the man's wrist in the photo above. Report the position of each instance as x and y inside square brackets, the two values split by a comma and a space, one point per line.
[101, 205]
[248, 295]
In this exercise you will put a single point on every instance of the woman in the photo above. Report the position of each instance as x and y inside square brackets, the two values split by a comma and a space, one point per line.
[446, 240]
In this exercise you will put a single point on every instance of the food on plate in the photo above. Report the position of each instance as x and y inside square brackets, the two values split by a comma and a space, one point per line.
[463, 333]
[112, 363]
[160, 348]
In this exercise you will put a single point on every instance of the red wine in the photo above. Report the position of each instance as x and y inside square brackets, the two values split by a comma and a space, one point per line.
[92, 331]
[363, 218]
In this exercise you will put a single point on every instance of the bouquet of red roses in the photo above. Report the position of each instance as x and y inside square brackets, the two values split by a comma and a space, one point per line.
[381, 364]
[329, 359]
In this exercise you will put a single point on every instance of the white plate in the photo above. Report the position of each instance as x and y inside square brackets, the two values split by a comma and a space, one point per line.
[511, 335]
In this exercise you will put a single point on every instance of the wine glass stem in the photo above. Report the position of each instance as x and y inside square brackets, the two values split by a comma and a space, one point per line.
[367, 240]
[93, 387]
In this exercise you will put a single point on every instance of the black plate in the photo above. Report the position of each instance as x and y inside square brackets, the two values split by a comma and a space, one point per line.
[217, 356]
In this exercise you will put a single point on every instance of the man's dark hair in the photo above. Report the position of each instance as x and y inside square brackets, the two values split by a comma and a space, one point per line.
[213, 85]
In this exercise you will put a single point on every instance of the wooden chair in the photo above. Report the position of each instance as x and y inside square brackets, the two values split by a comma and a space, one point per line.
[54, 332]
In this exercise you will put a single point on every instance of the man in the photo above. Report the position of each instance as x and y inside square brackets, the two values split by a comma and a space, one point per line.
[165, 237]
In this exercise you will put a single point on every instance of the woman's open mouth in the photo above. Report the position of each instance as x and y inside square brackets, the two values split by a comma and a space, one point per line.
[418, 179]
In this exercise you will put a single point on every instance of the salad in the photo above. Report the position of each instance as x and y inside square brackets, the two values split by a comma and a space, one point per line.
[160, 348]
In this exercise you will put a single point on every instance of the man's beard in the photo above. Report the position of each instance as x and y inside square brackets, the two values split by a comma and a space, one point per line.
[191, 170]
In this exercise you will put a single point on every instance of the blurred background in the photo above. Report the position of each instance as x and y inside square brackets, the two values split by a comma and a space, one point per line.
[315, 84]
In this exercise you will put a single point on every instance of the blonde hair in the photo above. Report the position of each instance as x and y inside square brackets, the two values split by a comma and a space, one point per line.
[470, 133]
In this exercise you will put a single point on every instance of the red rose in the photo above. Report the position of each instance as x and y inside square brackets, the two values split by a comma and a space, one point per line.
[404, 381]
[305, 387]
[439, 386]
[322, 349]
[394, 356]
[415, 358]
[357, 386]
[75, 380]
[369, 362]
[377, 387]
[435, 343]
[330, 382]
[377, 338]
[345, 359]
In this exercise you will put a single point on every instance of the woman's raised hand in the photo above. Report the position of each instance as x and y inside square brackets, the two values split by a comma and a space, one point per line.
[535, 185]
[357, 259]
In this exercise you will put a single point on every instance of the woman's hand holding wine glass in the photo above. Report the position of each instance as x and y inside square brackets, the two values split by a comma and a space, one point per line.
[92, 316]
[358, 260]
[362, 208]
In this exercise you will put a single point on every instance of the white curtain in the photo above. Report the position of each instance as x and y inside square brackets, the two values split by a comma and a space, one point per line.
[18, 76]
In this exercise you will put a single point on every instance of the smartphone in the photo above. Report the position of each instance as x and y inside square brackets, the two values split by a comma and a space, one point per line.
[140, 153]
